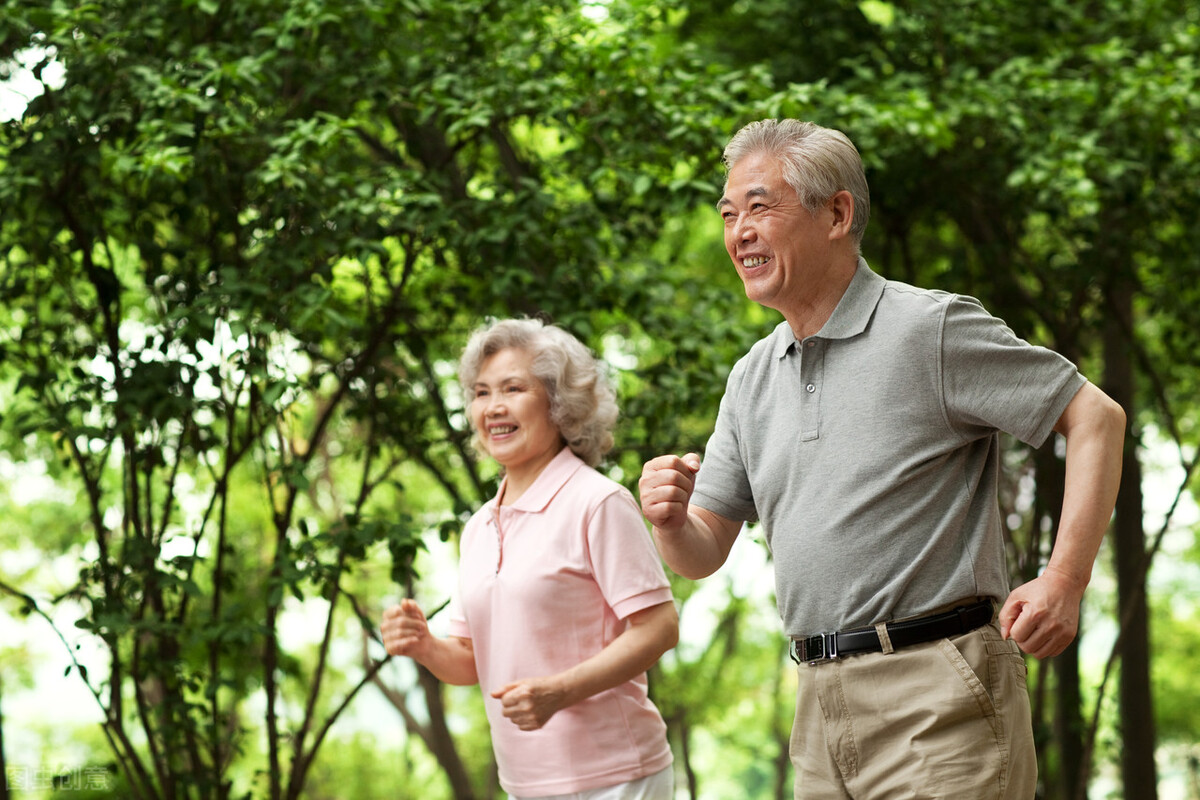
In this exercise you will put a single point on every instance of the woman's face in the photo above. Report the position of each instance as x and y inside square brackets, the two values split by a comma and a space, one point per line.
[511, 413]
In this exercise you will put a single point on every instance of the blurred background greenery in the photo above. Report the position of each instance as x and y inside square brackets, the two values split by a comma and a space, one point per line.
[242, 244]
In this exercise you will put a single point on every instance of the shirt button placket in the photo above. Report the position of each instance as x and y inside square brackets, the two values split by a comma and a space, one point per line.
[495, 523]
[811, 370]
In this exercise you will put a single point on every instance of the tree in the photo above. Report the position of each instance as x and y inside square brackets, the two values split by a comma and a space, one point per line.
[242, 245]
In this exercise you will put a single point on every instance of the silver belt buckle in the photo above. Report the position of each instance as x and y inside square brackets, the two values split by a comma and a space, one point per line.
[824, 648]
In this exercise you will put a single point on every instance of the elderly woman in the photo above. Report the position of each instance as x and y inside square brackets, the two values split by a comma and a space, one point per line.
[562, 601]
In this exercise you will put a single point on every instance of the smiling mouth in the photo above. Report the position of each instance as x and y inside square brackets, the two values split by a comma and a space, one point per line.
[756, 261]
[501, 430]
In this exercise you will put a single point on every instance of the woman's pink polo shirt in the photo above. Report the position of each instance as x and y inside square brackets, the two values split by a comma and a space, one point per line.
[544, 584]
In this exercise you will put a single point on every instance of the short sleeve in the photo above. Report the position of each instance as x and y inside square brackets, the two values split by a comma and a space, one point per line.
[993, 380]
[624, 562]
[456, 620]
[723, 484]
[457, 624]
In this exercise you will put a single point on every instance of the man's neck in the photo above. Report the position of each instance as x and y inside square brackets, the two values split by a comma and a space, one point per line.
[808, 317]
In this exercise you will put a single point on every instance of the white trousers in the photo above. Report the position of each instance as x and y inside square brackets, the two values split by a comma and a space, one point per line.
[659, 786]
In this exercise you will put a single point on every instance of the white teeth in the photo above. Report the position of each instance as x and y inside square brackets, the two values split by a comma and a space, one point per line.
[500, 430]
[757, 261]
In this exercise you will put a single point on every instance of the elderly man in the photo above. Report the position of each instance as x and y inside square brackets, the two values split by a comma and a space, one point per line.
[863, 433]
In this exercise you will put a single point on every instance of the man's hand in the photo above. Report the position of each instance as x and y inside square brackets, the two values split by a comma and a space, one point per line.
[693, 541]
[666, 489]
[1042, 616]
[531, 703]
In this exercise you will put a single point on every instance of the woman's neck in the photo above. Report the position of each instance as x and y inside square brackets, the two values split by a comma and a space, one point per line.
[518, 479]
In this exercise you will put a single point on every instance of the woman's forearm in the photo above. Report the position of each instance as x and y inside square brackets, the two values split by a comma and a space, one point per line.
[531, 702]
[451, 660]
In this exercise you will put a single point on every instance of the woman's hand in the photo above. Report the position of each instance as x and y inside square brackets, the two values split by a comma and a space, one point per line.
[406, 633]
[531, 703]
[405, 630]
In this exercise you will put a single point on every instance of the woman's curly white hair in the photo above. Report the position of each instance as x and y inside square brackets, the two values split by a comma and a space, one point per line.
[583, 405]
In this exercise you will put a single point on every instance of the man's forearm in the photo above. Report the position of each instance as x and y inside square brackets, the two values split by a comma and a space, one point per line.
[700, 546]
[1095, 439]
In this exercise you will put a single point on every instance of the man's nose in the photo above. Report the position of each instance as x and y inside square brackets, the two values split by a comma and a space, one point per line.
[742, 229]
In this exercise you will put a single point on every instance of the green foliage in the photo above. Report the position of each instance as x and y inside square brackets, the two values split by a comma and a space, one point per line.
[729, 698]
[362, 771]
[1177, 648]
[242, 244]
[240, 249]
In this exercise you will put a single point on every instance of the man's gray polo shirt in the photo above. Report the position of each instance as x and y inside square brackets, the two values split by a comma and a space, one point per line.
[870, 452]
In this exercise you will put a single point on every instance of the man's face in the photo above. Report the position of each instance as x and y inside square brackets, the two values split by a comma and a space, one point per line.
[775, 244]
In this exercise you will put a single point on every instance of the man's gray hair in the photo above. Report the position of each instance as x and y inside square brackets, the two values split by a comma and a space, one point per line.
[583, 404]
[817, 162]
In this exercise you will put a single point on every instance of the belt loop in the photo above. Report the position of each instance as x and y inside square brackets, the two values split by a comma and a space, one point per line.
[885, 639]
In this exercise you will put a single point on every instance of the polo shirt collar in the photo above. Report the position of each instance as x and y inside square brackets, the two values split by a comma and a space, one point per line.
[547, 484]
[851, 316]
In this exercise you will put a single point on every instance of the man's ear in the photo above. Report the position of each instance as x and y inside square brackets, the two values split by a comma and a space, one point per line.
[842, 205]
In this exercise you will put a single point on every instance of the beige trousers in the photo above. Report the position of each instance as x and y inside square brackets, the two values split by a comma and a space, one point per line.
[947, 719]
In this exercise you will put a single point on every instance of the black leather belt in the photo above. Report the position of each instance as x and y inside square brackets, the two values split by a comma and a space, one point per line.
[828, 646]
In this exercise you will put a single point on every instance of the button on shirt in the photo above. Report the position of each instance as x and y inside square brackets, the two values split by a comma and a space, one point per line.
[545, 584]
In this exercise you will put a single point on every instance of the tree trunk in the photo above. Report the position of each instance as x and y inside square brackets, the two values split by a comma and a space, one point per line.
[441, 742]
[1068, 723]
[1067, 697]
[685, 750]
[1139, 775]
